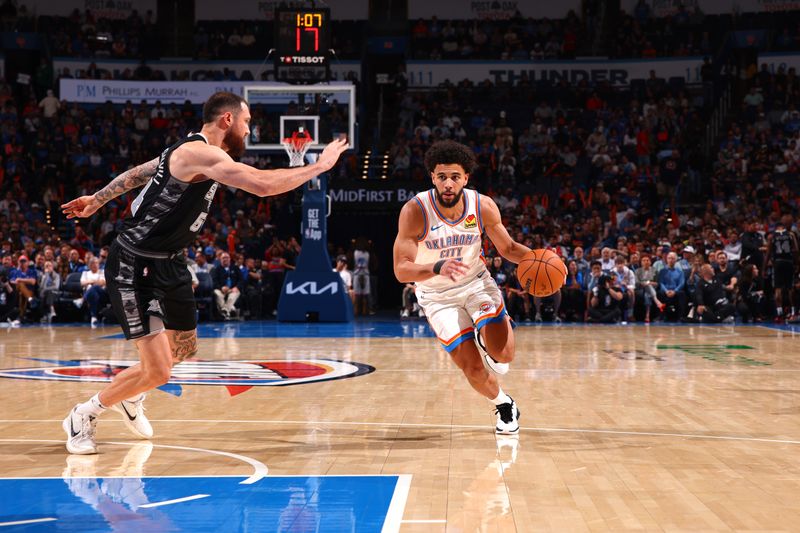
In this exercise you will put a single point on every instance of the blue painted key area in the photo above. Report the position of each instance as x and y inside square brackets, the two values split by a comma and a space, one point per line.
[298, 504]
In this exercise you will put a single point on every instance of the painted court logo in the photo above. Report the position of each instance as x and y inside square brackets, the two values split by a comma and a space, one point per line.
[236, 376]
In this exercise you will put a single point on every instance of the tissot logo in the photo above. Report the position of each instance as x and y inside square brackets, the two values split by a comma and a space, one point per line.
[311, 288]
[237, 376]
[303, 59]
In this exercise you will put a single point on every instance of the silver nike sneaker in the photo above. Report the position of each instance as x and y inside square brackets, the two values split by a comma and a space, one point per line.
[80, 430]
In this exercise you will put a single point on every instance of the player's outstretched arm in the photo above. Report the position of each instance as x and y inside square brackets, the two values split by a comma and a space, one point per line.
[130, 179]
[410, 226]
[497, 232]
[198, 159]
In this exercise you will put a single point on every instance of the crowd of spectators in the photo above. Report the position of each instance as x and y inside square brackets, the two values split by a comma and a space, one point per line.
[518, 38]
[52, 151]
[584, 136]
[685, 31]
[49, 278]
[686, 280]
[590, 171]
[619, 161]
[84, 34]
[619, 210]
[87, 34]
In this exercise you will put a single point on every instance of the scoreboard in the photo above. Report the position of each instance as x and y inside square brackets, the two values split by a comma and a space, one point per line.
[303, 37]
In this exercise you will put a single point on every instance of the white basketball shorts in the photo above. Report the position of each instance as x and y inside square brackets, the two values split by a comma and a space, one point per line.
[455, 313]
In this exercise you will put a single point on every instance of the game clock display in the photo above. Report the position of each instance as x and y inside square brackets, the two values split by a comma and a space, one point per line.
[303, 36]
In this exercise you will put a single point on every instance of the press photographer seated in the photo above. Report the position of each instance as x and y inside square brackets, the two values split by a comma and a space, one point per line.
[606, 300]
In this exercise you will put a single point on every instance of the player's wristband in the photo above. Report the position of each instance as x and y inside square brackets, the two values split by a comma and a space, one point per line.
[437, 266]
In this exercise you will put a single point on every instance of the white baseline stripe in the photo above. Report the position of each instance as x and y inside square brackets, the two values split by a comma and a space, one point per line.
[474, 426]
[260, 470]
[394, 515]
[258, 475]
[23, 522]
[176, 500]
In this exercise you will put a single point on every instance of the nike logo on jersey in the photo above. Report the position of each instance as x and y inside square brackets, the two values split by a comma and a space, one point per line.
[434, 228]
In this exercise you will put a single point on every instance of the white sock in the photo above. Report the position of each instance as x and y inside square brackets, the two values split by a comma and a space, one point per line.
[502, 398]
[91, 407]
[135, 398]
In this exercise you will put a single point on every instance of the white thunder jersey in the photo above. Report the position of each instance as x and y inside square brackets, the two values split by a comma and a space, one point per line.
[450, 239]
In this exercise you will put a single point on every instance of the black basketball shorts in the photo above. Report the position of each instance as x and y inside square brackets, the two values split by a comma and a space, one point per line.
[782, 274]
[140, 287]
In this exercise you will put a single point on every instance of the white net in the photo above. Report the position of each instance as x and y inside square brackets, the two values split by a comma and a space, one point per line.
[296, 147]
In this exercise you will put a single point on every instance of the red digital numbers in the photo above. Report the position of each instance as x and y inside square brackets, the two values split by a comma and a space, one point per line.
[306, 21]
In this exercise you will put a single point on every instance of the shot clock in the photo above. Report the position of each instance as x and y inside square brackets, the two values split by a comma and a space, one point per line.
[303, 37]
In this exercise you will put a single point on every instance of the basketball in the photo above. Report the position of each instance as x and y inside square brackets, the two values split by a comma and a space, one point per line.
[541, 272]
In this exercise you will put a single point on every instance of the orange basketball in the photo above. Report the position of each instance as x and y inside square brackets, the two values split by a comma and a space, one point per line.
[541, 272]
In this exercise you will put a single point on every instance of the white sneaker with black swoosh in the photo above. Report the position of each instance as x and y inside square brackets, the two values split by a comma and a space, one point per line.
[80, 430]
[495, 366]
[134, 417]
[507, 418]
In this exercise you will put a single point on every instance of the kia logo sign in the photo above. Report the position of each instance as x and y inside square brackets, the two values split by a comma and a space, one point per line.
[310, 288]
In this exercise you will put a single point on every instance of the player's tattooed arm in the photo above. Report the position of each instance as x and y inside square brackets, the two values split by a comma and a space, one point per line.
[184, 345]
[86, 206]
[128, 180]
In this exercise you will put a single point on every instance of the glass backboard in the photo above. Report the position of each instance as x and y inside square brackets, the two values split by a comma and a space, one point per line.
[327, 111]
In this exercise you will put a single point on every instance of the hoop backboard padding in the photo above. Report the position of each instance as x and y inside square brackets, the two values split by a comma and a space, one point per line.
[326, 111]
[296, 146]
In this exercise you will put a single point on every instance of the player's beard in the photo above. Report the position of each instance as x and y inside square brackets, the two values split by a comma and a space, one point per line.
[451, 203]
[235, 144]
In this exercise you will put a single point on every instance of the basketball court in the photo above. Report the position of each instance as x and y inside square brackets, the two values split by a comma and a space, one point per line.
[367, 426]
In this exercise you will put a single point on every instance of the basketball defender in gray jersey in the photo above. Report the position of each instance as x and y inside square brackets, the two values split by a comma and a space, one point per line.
[783, 251]
[146, 276]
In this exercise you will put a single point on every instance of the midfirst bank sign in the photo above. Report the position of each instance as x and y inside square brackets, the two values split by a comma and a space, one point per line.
[371, 196]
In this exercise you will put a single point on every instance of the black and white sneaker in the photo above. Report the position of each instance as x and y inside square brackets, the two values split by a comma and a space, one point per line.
[507, 418]
[134, 417]
[496, 367]
[80, 430]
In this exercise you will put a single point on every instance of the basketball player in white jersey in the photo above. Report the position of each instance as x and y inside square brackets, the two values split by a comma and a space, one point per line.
[438, 247]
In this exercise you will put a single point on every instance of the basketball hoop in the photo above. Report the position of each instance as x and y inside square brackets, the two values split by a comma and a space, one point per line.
[296, 146]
